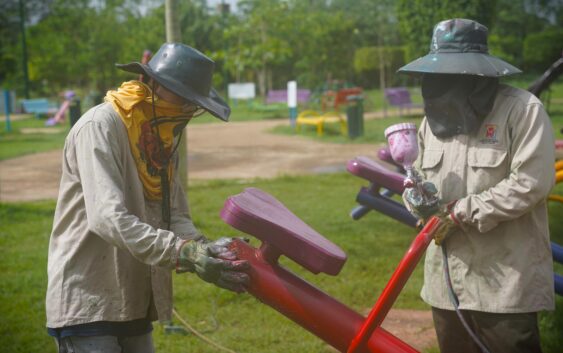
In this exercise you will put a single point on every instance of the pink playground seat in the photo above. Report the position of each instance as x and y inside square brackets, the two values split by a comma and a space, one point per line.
[259, 214]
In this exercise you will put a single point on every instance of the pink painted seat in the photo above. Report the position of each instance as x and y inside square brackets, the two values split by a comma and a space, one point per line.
[366, 168]
[257, 213]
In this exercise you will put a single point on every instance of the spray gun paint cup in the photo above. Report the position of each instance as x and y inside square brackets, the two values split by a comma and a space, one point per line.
[402, 143]
[403, 146]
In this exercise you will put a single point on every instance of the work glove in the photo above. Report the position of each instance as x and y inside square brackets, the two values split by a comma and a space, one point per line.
[448, 224]
[446, 228]
[213, 262]
[414, 201]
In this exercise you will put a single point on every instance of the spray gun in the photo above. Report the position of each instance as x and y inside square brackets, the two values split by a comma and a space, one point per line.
[404, 150]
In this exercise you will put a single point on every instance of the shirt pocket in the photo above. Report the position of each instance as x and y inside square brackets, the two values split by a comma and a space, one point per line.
[431, 164]
[486, 168]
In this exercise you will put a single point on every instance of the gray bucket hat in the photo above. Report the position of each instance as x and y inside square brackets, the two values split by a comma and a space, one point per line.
[186, 72]
[459, 46]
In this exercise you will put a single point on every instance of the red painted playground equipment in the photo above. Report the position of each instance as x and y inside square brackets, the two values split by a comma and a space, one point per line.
[282, 233]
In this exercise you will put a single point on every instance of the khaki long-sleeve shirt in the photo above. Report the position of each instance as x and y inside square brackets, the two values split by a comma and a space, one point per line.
[109, 257]
[501, 261]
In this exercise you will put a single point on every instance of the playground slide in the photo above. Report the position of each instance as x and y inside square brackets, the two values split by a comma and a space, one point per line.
[60, 115]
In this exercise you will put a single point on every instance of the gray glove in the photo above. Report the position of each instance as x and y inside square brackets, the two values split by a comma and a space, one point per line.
[415, 201]
[213, 262]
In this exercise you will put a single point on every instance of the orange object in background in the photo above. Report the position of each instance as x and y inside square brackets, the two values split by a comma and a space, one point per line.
[559, 171]
[331, 100]
[558, 179]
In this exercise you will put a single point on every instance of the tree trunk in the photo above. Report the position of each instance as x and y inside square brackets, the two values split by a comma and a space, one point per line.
[173, 35]
[382, 79]
[261, 75]
[269, 80]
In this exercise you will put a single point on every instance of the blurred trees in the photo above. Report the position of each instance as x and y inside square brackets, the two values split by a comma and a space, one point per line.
[520, 24]
[259, 41]
[541, 50]
[273, 41]
[75, 43]
[10, 35]
[511, 24]
[382, 62]
[376, 39]
[418, 17]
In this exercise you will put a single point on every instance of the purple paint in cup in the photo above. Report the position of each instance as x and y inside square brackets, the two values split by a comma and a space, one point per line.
[403, 143]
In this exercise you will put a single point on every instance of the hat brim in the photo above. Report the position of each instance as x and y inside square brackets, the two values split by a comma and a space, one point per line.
[460, 63]
[214, 104]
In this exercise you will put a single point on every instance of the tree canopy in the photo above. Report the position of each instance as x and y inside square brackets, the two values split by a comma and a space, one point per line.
[75, 43]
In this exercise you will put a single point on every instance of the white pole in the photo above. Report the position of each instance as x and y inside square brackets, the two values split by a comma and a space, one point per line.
[292, 101]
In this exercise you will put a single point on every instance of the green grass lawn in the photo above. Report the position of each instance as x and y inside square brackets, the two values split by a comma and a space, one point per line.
[30, 135]
[249, 110]
[373, 244]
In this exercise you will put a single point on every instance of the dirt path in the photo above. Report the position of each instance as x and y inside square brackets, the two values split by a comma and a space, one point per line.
[234, 150]
[246, 150]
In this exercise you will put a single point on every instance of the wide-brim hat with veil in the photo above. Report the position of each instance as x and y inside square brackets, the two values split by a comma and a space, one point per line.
[186, 72]
[459, 46]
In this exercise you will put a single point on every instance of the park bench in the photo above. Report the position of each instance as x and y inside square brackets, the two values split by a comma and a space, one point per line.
[311, 117]
[334, 99]
[38, 107]
[400, 97]
[280, 96]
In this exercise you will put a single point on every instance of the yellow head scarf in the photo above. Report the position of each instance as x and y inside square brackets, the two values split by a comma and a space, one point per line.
[151, 139]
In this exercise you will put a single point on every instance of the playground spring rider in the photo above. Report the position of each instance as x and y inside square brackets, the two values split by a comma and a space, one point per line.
[282, 233]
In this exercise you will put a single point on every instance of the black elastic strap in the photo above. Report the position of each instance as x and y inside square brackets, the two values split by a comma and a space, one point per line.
[163, 172]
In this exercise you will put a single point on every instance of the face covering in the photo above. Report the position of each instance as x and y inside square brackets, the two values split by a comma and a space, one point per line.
[151, 132]
[457, 104]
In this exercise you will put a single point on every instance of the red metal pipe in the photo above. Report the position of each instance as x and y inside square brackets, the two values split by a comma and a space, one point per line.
[308, 306]
[394, 286]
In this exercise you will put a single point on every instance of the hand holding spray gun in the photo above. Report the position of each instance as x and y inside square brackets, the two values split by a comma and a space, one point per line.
[419, 195]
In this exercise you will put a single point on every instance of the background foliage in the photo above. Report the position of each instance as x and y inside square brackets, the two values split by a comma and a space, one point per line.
[73, 44]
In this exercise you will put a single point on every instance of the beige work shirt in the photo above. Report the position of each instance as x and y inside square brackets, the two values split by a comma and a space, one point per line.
[501, 261]
[109, 258]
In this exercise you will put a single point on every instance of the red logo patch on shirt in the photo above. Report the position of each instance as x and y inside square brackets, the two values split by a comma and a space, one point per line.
[490, 135]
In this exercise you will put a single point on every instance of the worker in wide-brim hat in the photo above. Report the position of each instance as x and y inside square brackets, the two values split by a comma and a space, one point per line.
[122, 221]
[488, 148]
